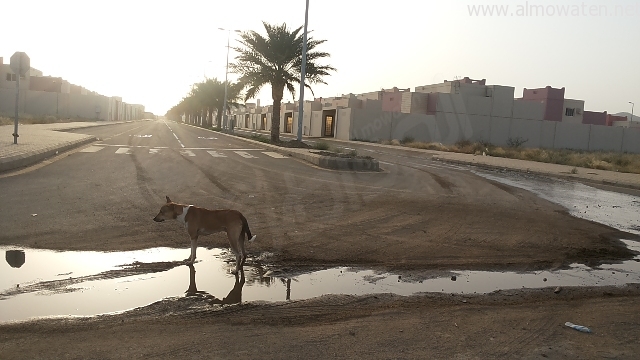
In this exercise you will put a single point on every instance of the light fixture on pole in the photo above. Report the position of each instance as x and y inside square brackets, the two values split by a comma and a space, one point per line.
[632, 104]
[303, 71]
[226, 75]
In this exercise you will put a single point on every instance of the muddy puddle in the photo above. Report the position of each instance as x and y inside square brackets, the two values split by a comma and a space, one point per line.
[42, 283]
[620, 211]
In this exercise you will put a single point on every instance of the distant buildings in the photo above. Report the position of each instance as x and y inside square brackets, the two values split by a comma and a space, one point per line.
[452, 111]
[54, 96]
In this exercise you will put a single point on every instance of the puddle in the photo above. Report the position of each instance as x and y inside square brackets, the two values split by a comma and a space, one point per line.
[614, 209]
[92, 283]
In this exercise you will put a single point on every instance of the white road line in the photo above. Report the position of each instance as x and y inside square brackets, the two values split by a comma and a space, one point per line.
[245, 155]
[123, 151]
[137, 127]
[166, 147]
[153, 151]
[91, 149]
[216, 154]
[274, 154]
[174, 134]
[187, 153]
[386, 163]
[134, 146]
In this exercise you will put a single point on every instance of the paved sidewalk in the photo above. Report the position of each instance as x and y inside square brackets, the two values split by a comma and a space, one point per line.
[40, 141]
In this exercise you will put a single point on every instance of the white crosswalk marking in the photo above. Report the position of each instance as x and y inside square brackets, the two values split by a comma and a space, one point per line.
[92, 148]
[274, 154]
[220, 153]
[245, 154]
[216, 154]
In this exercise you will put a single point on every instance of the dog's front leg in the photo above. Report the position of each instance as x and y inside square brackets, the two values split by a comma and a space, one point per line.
[194, 246]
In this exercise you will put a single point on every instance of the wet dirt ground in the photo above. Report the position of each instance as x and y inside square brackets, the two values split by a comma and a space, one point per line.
[454, 221]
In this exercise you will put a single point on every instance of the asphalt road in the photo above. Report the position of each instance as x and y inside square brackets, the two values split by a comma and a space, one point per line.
[109, 190]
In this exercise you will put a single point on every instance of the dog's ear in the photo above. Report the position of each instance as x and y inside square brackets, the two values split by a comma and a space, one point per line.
[168, 200]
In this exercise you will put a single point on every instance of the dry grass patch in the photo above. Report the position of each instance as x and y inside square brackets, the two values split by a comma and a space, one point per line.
[600, 160]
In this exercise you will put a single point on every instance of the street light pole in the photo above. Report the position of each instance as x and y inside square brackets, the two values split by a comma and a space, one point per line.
[303, 72]
[226, 76]
[632, 104]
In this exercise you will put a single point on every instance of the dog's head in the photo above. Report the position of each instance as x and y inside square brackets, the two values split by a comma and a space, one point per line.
[168, 211]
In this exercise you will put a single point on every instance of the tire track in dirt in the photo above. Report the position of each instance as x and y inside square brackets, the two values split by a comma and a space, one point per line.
[143, 181]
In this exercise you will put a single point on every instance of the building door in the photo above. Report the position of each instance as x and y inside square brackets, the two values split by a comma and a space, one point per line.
[289, 126]
[328, 125]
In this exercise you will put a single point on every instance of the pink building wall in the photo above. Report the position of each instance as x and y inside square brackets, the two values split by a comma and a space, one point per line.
[392, 100]
[432, 103]
[553, 100]
[594, 118]
[612, 118]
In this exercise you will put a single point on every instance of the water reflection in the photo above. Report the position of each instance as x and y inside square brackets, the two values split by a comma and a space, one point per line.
[15, 258]
[193, 289]
[235, 295]
[257, 275]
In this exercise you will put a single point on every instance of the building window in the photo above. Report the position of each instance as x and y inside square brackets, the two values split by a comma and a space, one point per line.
[569, 112]
[11, 77]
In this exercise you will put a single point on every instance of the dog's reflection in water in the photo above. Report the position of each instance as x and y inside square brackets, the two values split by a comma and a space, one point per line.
[234, 296]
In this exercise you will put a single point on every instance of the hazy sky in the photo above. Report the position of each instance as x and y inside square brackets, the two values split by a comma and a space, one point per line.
[150, 52]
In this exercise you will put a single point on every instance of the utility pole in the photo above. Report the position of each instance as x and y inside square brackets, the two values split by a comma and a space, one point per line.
[226, 76]
[303, 72]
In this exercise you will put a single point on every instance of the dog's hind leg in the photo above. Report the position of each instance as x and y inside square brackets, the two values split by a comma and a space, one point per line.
[236, 240]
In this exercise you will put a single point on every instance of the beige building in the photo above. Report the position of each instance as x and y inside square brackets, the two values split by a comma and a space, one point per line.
[53, 96]
[449, 112]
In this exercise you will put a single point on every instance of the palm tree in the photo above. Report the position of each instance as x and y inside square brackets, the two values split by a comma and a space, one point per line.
[277, 60]
[205, 98]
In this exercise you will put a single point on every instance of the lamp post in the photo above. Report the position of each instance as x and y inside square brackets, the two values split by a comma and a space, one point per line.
[632, 104]
[303, 71]
[226, 74]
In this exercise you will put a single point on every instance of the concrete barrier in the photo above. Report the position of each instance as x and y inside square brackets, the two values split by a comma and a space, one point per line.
[631, 140]
[605, 138]
[572, 136]
[526, 130]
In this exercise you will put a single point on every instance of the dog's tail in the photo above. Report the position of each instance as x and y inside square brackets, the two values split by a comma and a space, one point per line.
[245, 229]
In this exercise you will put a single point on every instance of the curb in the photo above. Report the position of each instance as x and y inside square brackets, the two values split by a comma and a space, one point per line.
[23, 160]
[27, 159]
[327, 162]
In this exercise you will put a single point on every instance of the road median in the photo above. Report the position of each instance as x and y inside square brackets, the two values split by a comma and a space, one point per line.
[319, 158]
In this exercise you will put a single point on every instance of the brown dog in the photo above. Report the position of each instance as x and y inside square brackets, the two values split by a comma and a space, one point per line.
[201, 221]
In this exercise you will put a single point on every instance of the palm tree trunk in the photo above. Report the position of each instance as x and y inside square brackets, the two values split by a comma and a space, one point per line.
[219, 117]
[276, 95]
